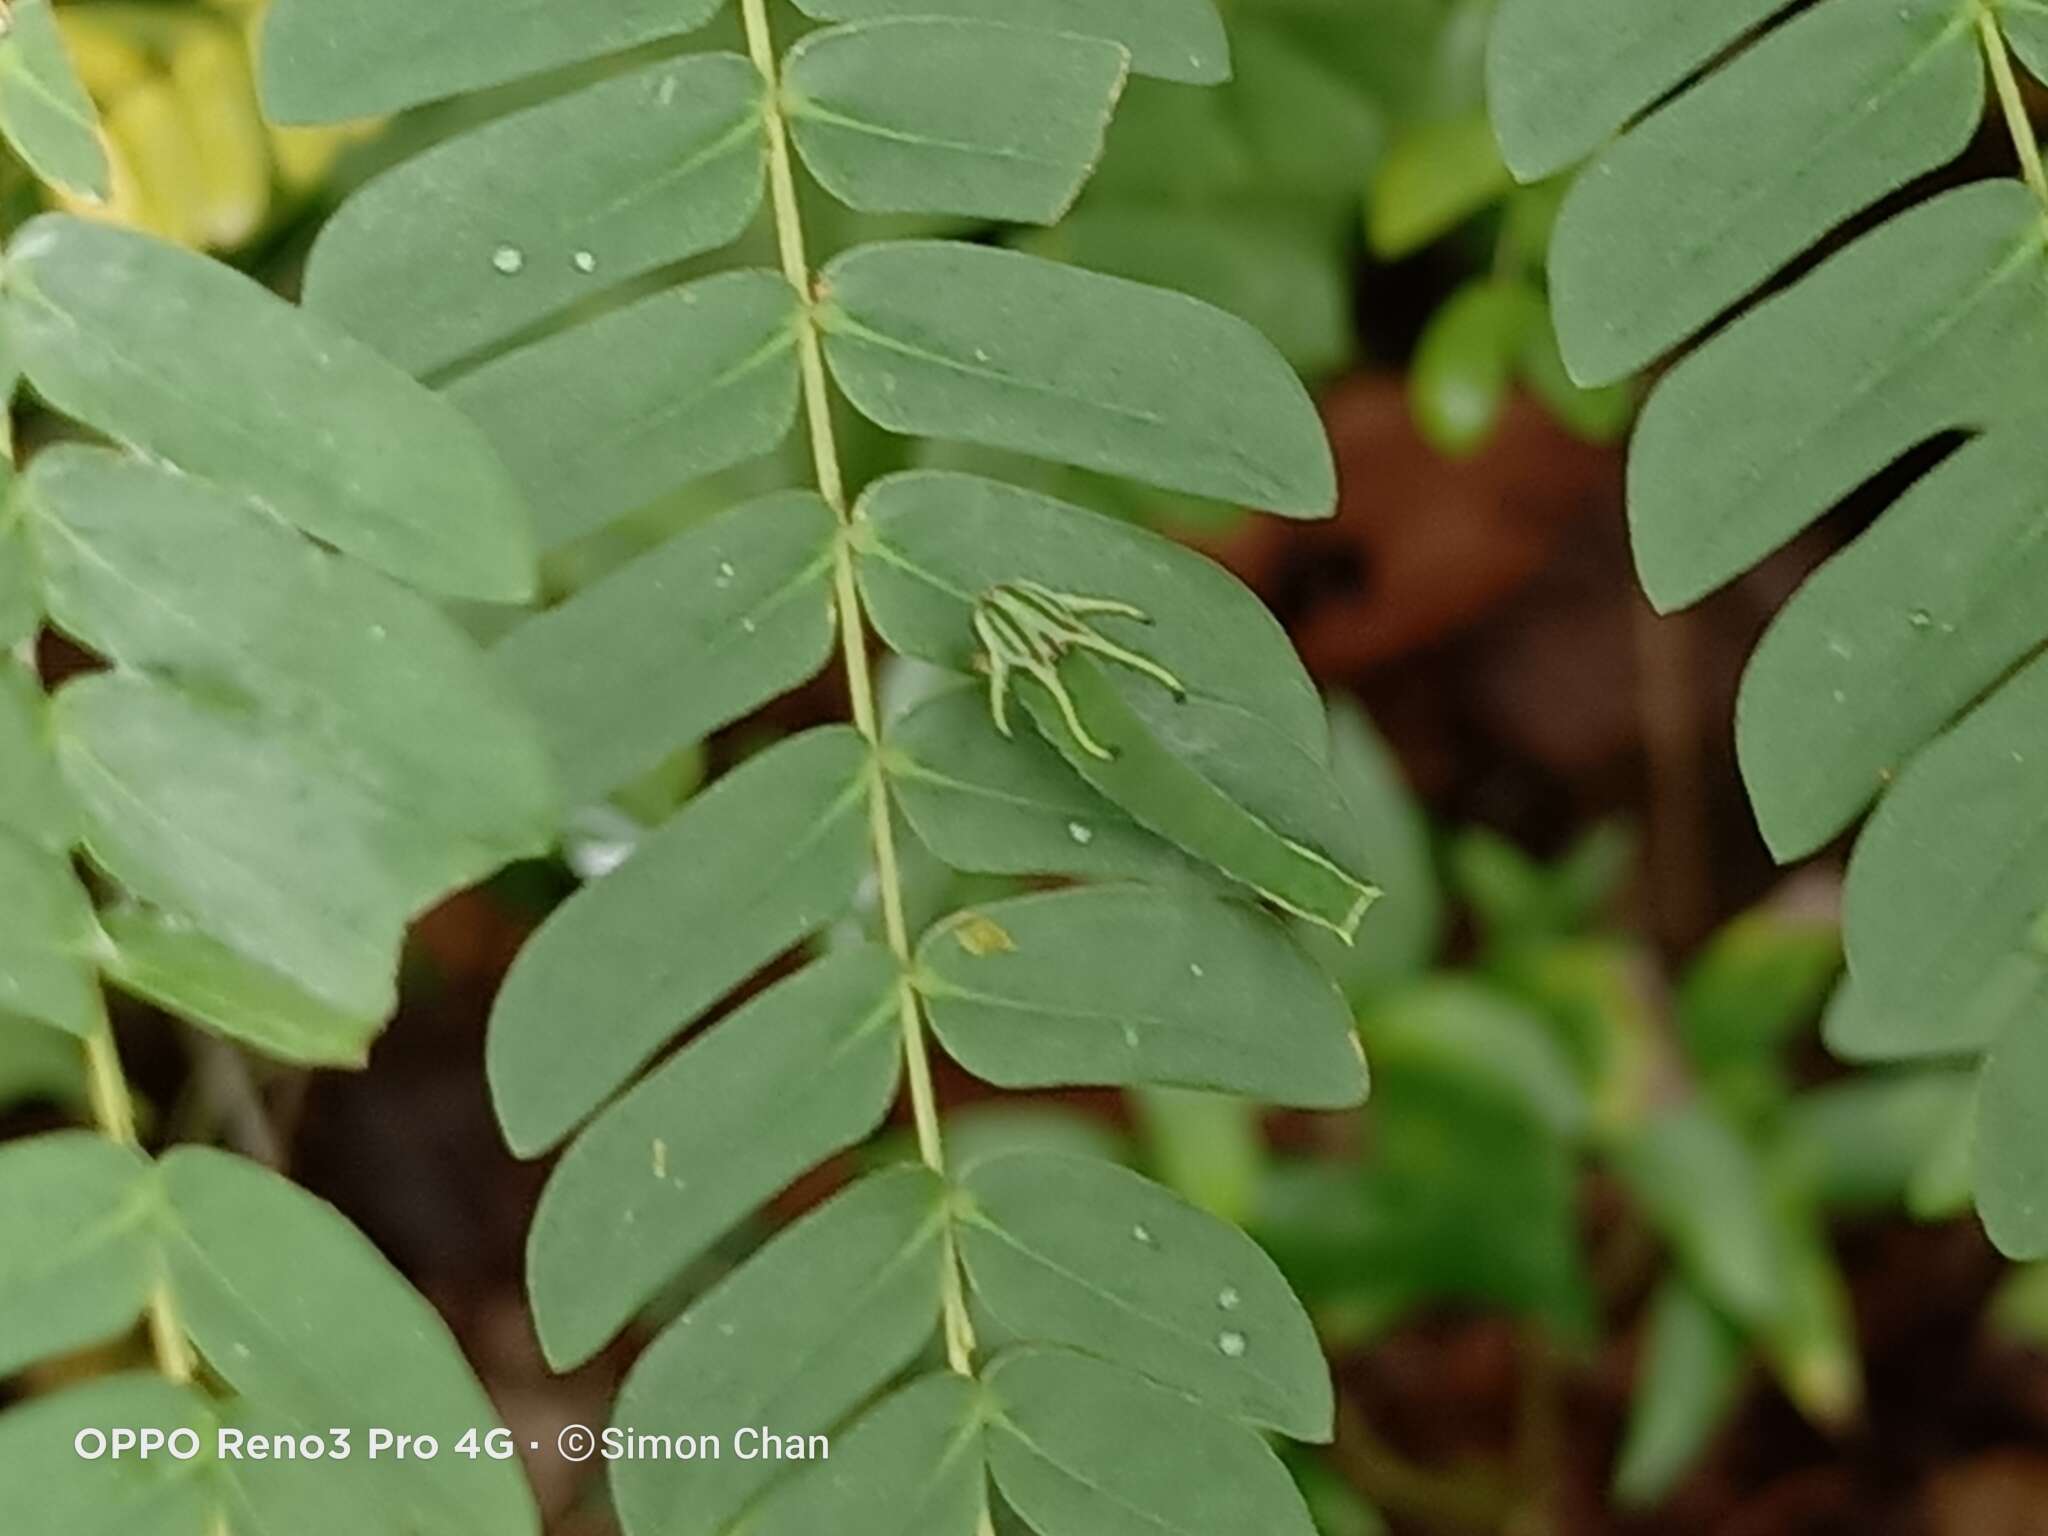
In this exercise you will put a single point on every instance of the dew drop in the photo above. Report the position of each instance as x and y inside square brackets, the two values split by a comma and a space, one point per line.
[1081, 832]
[1228, 1299]
[509, 259]
[1143, 1235]
[667, 93]
[1920, 618]
[725, 574]
[1131, 1036]
[1196, 971]
[585, 262]
[1232, 1343]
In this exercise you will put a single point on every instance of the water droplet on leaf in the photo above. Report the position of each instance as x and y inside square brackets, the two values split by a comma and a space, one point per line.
[509, 259]
[1232, 1343]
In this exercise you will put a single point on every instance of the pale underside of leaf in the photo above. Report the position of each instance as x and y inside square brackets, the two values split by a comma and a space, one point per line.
[198, 365]
[45, 113]
[164, 574]
[162, 958]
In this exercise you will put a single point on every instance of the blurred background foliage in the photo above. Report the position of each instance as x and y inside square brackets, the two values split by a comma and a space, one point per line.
[1604, 1157]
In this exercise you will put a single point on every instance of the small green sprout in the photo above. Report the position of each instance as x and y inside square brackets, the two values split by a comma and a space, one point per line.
[1025, 627]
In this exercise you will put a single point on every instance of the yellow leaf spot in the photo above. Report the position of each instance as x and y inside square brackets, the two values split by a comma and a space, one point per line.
[981, 937]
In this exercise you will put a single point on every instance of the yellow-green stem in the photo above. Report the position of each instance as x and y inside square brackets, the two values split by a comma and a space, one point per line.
[114, 1111]
[796, 266]
[2012, 101]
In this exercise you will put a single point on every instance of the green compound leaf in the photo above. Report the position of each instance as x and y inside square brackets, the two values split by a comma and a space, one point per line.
[2026, 28]
[765, 858]
[1079, 1252]
[1121, 985]
[912, 1466]
[195, 364]
[40, 1467]
[1236, 772]
[604, 419]
[242, 609]
[49, 941]
[1917, 619]
[260, 671]
[926, 115]
[1906, 668]
[296, 1312]
[323, 62]
[79, 1258]
[806, 1069]
[1179, 40]
[797, 1337]
[1937, 320]
[1842, 105]
[209, 811]
[992, 804]
[32, 801]
[1564, 74]
[289, 1306]
[1083, 1448]
[683, 640]
[1946, 889]
[1009, 351]
[162, 958]
[1694, 1361]
[490, 232]
[45, 114]
[2011, 1164]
